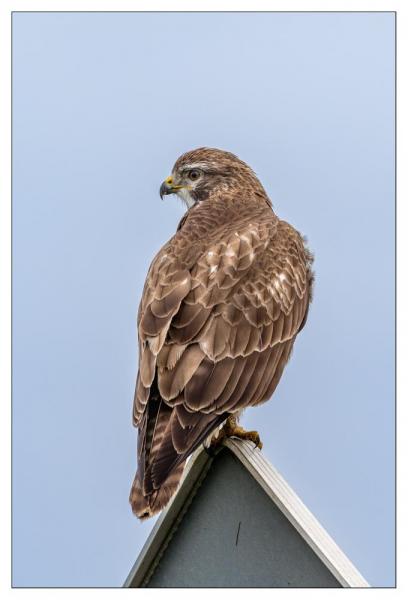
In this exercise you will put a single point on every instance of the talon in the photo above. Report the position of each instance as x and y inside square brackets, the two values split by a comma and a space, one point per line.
[232, 429]
[259, 444]
[253, 436]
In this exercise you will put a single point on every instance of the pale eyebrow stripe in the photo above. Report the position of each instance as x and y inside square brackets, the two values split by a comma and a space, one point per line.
[196, 165]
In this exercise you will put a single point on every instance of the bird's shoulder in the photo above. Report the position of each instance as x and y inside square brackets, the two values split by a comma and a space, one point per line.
[210, 241]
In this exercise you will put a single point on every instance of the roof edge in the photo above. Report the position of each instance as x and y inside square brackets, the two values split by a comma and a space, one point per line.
[273, 484]
[297, 513]
[165, 526]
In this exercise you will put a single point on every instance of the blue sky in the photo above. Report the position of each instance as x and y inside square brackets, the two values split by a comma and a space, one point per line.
[103, 104]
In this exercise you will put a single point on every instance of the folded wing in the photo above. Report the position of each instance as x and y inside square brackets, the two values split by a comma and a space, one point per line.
[215, 334]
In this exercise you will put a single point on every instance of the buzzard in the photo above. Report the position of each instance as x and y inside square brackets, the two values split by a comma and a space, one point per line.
[223, 302]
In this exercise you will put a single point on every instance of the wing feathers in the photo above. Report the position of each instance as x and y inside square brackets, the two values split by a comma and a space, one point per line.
[236, 397]
[217, 322]
[172, 381]
[147, 367]
[182, 334]
[205, 387]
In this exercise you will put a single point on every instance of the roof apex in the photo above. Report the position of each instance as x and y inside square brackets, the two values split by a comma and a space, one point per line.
[276, 488]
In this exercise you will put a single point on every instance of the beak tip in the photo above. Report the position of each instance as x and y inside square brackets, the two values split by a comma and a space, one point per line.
[164, 190]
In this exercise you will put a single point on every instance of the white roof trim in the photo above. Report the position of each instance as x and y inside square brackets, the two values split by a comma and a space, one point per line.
[274, 486]
[297, 513]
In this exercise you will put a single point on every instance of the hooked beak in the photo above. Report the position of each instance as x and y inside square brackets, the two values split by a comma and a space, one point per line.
[168, 187]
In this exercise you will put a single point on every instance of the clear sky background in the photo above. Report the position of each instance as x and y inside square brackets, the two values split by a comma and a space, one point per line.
[103, 104]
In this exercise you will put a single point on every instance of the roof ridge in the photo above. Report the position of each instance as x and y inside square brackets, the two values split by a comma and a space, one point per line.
[276, 488]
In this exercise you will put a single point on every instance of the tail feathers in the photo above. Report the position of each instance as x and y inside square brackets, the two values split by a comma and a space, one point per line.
[145, 506]
[167, 436]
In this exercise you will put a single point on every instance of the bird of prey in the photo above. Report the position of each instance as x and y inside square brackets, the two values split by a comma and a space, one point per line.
[222, 304]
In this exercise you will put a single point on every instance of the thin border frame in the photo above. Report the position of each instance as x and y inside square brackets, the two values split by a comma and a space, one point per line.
[393, 12]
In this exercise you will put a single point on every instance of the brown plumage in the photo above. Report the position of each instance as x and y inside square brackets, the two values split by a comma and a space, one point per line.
[221, 307]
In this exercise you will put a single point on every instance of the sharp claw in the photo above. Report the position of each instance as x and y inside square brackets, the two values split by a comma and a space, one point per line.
[232, 429]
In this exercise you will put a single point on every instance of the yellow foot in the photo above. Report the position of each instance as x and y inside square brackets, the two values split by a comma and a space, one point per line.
[232, 429]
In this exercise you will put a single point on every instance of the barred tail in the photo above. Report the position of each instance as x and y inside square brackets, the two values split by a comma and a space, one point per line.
[145, 506]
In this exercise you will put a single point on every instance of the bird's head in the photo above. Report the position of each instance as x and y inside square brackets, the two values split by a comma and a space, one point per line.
[199, 174]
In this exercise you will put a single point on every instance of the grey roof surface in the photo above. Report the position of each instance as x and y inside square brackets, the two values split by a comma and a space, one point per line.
[235, 522]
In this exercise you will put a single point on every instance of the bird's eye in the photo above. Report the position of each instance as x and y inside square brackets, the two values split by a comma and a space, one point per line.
[194, 174]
